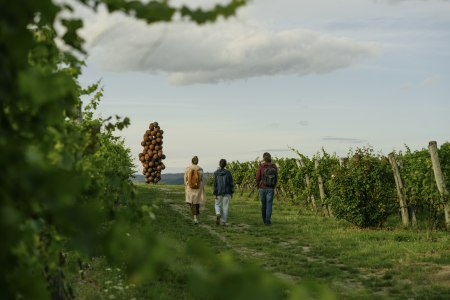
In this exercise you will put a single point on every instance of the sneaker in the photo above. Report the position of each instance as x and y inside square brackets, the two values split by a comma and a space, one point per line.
[195, 222]
[224, 224]
[217, 220]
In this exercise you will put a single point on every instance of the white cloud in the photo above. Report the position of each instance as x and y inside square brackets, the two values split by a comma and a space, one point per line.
[428, 82]
[224, 51]
[303, 123]
[343, 139]
[431, 81]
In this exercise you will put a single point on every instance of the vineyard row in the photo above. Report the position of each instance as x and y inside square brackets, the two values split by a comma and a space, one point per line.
[364, 188]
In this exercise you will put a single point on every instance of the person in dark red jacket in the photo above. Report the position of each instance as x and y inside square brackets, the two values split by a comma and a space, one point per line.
[266, 180]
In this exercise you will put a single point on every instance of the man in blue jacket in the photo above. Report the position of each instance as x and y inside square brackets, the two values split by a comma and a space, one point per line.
[223, 191]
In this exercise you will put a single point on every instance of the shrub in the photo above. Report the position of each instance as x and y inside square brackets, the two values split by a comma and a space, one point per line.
[363, 191]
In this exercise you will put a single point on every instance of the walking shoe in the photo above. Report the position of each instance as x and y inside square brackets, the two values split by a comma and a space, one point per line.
[195, 222]
[217, 220]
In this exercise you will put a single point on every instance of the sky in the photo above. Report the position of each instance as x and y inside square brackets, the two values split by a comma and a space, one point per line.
[307, 75]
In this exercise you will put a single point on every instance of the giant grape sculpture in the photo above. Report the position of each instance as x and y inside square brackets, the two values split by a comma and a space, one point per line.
[152, 154]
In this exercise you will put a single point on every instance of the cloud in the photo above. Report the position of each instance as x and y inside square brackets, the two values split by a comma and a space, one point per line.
[343, 139]
[274, 150]
[225, 51]
[400, 1]
[430, 81]
[303, 123]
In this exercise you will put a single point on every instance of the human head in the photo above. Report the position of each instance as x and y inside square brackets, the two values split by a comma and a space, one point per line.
[195, 160]
[222, 163]
[267, 157]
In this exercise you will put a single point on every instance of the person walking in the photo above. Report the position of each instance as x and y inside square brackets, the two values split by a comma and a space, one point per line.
[194, 188]
[223, 192]
[266, 180]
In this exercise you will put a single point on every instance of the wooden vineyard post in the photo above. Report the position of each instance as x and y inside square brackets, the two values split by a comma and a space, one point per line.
[325, 208]
[310, 198]
[432, 148]
[400, 190]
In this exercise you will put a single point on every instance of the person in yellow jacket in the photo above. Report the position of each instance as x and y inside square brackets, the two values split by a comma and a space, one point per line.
[194, 188]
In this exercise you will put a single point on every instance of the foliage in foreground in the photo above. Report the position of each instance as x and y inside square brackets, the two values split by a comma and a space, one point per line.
[62, 179]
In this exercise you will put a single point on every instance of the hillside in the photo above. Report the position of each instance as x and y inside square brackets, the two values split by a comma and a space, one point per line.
[172, 178]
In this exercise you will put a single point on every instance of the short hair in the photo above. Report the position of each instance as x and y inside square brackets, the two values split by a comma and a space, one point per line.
[223, 163]
[267, 157]
[195, 160]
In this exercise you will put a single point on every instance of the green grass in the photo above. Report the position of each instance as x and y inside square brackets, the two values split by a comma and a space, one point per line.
[299, 247]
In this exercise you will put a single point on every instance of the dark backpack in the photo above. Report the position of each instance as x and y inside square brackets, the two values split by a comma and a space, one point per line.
[269, 176]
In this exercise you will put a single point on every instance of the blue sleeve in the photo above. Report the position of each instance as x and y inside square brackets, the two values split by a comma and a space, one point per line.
[231, 182]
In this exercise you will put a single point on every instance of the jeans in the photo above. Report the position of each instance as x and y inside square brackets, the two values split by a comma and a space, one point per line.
[266, 197]
[221, 204]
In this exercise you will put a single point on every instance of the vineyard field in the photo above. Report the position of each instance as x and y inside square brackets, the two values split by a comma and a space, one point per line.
[312, 255]
[76, 223]
[365, 188]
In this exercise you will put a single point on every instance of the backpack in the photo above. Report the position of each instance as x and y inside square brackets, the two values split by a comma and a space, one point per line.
[194, 179]
[269, 176]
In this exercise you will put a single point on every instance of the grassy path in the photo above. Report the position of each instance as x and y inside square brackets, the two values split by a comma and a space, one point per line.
[299, 247]
[353, 262]
[249, 243]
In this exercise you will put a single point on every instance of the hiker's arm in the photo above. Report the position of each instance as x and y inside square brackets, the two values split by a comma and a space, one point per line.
[258, 176]
[215, 185]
